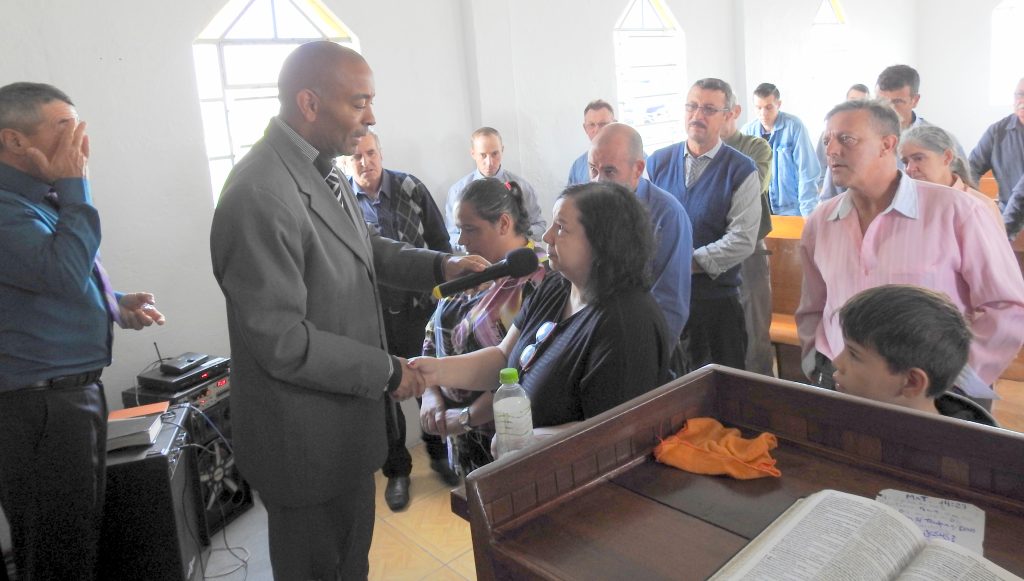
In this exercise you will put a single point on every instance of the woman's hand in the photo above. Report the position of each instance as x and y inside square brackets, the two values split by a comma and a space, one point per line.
[432, 412]
[429, 369]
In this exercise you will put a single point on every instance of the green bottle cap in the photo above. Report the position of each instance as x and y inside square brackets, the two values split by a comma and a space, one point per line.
[509, 375]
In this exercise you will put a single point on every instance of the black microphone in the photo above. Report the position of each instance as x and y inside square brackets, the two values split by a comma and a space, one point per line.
[519, 262]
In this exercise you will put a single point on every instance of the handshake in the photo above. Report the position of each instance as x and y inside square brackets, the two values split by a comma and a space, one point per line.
[417, 375]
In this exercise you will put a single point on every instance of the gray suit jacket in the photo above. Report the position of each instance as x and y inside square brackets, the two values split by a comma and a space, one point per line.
[309, 364]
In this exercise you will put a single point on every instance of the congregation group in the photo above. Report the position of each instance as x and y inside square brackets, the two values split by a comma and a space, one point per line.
[653, 265]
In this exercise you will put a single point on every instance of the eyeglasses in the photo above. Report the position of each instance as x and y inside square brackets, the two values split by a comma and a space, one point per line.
[529, 353]
[706, 110]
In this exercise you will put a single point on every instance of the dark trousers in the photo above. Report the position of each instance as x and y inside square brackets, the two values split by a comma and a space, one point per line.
[326, 541]
[405, 332]
[716, 333]
[52, 477]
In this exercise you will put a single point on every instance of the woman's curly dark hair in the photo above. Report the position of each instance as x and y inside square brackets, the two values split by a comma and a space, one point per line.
[621, 238]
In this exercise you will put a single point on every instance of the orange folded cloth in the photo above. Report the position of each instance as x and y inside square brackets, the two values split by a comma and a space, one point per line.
[705, 446]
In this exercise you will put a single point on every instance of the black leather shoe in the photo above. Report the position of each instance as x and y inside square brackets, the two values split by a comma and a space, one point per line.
[396, 493]
[445, 472]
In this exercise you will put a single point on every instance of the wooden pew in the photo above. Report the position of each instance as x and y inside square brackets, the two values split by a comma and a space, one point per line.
[786, 275]
[783, 243]
[590, 502]
[988, 186]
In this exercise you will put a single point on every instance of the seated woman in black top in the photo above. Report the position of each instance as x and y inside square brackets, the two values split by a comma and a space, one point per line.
[591, 336]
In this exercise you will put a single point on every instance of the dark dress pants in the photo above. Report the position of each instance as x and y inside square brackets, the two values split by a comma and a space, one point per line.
[716, 333]
[405, 332]
[52, 477]
[327, 541]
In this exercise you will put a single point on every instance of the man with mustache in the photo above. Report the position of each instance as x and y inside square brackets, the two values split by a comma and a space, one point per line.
[1001, 149]
[720, 189]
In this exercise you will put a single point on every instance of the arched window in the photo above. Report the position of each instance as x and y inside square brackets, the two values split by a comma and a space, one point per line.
[238, 58]
[1007, 24]
[650, 57]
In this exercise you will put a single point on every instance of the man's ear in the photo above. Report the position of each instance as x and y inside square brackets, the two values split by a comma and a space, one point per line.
[914, 100]
[917, 383]
[308, 104]
[11, 139]
[889, 142]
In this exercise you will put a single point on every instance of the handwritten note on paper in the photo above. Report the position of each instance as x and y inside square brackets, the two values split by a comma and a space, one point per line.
[951, 520]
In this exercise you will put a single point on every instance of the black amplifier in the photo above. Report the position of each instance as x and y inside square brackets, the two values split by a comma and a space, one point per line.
[156, 380]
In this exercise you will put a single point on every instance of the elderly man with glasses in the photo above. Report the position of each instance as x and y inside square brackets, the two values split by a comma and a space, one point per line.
[720, 189]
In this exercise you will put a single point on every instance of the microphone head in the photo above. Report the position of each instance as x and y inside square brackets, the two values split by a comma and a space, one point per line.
[521, 262]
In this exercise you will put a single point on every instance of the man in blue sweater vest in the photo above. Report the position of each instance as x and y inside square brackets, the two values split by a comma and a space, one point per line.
[720, 190]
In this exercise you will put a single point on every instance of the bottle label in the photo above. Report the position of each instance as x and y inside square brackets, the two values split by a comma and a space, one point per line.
[513, 417]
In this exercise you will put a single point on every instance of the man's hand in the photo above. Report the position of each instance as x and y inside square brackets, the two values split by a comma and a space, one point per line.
[70, 160]
[412, 384]
[138, 311]
[458, 265]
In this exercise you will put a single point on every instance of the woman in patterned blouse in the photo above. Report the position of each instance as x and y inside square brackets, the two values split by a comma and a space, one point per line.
[493, 221]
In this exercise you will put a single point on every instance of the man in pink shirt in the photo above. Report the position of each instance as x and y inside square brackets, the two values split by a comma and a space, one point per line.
[890, 229]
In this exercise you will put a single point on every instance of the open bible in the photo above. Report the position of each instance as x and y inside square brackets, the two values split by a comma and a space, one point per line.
[835, 535]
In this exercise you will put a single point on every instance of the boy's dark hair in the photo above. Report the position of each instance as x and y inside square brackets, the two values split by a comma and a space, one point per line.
[910, 327]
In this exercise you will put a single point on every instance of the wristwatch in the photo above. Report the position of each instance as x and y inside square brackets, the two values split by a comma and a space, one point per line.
[464, 419]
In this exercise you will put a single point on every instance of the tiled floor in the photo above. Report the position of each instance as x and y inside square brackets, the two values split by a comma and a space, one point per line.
[424, 541]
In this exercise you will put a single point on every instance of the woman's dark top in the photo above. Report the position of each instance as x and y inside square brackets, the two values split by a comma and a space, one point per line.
[601, 356]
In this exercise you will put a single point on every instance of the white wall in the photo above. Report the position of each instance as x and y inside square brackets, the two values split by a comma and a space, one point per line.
[782, 47]
[954, 67]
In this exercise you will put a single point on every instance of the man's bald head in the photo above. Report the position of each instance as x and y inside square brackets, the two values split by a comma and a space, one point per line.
[621, 136]
[326, 93]
[314, 66]
[617, 155]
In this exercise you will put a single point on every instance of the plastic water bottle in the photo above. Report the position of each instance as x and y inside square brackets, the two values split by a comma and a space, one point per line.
[513, 419]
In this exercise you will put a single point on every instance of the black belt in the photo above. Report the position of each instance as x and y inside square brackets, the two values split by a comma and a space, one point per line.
[66, 381]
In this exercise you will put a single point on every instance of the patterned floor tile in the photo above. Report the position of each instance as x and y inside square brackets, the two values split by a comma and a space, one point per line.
[395, 557]
[429, 523]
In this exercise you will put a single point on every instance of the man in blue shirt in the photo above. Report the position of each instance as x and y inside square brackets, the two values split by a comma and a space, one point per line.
[401, 208]
[795, 169]
[617, 155]
[596, 115]
[56, 310]
[720, 190]
[486, 149]
[1001, 149]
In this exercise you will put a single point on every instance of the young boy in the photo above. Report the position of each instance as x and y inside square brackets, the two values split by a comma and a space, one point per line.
[905, 345]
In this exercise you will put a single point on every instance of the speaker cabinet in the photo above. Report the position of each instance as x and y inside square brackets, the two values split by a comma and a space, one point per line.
[152, 527]
[225, 495]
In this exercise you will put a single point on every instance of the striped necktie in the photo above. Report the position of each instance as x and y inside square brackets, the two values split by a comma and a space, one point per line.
[103, 280]
[697, 166]
[333, 180]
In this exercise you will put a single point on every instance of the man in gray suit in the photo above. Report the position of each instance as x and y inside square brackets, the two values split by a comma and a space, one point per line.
[298, 269]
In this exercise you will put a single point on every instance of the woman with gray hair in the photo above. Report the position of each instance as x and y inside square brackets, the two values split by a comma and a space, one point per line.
[930, 154]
